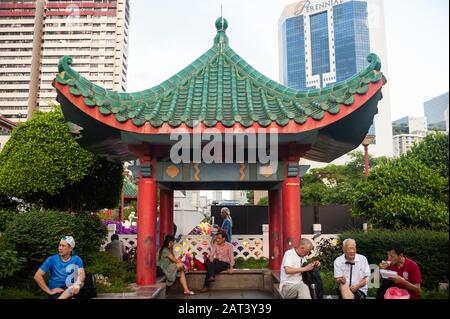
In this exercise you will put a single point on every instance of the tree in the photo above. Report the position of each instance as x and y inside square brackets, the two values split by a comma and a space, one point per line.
[42, 164]
[405, 192]
[250, 197]
[264, 201]
[433, 152]
[334, 184]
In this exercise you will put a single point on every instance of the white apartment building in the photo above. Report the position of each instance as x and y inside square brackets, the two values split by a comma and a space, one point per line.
[404, 142]
[35, 34]
[240, 196]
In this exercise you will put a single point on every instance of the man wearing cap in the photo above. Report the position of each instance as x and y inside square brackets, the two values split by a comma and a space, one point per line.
[65, 269]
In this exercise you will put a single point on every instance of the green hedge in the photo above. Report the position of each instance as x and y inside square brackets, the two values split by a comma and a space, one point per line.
[113, 274]
[428, 248]
[411, 211]
[10, 264]
[6, 216]
[35, 235]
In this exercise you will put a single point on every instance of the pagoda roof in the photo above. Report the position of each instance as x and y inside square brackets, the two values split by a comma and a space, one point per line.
[130, 189]
[219, 89]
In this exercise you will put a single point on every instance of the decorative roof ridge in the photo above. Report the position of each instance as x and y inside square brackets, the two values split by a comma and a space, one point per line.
[271, 85]
[220, 87]
[64, 66]
[219, 48]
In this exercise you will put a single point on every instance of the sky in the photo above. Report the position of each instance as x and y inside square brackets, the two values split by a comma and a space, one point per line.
[166, 36]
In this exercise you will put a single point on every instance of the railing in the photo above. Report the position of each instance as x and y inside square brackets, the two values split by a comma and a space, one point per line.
[245, 246]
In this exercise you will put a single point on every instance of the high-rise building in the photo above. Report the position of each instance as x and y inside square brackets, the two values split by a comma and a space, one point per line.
[17, 22]
[410, 125]
[239, 196]
[404, 142]
[436, 112]
[217, 196]
[193, 197]
[327, 41]
[35, 34]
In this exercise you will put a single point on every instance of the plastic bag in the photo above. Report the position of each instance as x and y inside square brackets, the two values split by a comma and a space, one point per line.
[397, 293]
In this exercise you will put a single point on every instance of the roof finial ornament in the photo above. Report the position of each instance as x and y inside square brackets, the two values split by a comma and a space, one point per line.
[221, 24]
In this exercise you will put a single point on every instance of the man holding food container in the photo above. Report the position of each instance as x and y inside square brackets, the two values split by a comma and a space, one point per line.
[400, 273]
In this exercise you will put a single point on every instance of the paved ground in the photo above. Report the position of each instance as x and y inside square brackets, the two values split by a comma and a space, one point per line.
[224, 294]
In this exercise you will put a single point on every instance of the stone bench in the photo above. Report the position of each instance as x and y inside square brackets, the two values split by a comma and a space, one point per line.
[241, 279]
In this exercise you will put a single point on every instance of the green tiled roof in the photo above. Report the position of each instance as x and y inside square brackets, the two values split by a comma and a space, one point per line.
[219, 87]
[130, 190]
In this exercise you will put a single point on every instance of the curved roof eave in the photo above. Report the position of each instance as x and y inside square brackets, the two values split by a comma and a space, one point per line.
[219, 90]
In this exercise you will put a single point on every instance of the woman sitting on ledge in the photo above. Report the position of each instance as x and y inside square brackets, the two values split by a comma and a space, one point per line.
[171, 266]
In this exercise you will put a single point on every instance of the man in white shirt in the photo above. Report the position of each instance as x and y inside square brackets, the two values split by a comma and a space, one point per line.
[352, 272]
[291, 282]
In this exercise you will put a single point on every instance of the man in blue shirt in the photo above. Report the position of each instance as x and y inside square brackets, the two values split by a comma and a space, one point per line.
[66, 272]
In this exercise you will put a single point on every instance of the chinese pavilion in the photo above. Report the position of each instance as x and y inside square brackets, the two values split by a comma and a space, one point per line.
[218, 92]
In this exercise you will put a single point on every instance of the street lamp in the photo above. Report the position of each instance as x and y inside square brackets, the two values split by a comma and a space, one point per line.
[369, 139]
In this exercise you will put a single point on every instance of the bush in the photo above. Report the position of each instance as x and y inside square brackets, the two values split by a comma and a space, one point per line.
[429, 249]
[435, 294]
[403, 211]
[251, 263]
[328, 250]
[35, 235]
[132, 207]
[112, 274]
[10, 263]
[433, 152]
[403, 178]
[107, 265]
[328, 282]
[5, 217]
[20, 293]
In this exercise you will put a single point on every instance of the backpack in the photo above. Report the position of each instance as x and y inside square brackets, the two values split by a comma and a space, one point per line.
[313, 277]
[89, 289]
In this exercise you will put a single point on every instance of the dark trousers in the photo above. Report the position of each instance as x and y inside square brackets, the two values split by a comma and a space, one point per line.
[214, 268]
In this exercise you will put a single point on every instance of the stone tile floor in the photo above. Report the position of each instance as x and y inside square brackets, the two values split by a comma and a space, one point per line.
[224, 294]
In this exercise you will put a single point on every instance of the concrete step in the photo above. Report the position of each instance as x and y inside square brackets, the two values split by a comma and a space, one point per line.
[157, 291]
[241, 279]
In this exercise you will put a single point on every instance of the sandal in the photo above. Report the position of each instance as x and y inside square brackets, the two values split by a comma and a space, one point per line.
[190, 293]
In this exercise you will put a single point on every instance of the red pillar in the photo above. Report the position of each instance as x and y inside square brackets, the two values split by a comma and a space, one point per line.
[291, 206]
[165, 214]
[147, 200]
[275, 230]
[366, 160]
[122, 205]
